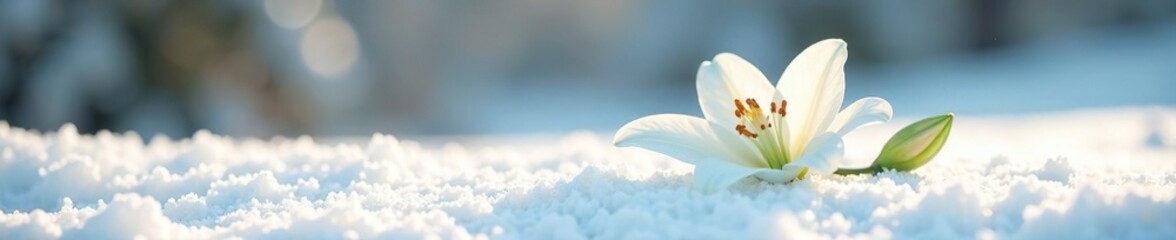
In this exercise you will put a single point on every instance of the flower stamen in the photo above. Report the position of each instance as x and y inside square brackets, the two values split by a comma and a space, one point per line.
[754, 121]
[739, 109]
[752, 116]
[742, 129]
[783, 105]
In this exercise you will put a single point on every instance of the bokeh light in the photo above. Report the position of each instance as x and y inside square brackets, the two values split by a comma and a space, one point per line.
[329, 47]
[292, 13]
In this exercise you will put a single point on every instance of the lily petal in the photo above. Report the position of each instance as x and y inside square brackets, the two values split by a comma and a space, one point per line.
[779, 176]
[725, 79]
[822, 154]
[814, 85]
[713, 176]
[743, 77]
[862, 112]
[686, 138]
[743, 150]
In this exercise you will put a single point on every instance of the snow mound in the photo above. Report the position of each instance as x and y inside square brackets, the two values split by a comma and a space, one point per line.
[1086, 174]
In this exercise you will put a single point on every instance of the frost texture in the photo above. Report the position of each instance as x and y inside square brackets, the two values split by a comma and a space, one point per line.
[1065, 175]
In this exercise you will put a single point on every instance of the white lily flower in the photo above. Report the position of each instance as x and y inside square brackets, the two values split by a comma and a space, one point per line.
[797, 132]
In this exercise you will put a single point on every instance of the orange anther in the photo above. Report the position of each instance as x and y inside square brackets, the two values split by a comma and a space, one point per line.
[783, 105]
[742, 129]
[751, 102]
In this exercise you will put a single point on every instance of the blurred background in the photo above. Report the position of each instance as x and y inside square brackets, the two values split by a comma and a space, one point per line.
[351, 68]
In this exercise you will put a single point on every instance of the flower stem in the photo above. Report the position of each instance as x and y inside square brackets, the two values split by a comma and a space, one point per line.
[853, 171]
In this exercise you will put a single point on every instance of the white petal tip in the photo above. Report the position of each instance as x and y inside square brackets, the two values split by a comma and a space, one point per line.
[836, 41]
[728, 58]
[708, 67]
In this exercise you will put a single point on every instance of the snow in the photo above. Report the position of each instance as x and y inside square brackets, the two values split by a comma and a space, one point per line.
[1102, 173]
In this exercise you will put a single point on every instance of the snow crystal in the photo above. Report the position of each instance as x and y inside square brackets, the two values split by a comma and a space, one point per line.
[998, 177]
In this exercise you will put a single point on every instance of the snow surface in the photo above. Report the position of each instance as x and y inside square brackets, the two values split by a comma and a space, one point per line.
[1108, 173]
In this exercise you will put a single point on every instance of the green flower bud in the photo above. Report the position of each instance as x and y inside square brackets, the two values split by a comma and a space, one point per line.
[915, 144]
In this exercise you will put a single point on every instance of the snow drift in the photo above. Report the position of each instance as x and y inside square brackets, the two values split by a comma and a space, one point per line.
[1084, 174]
